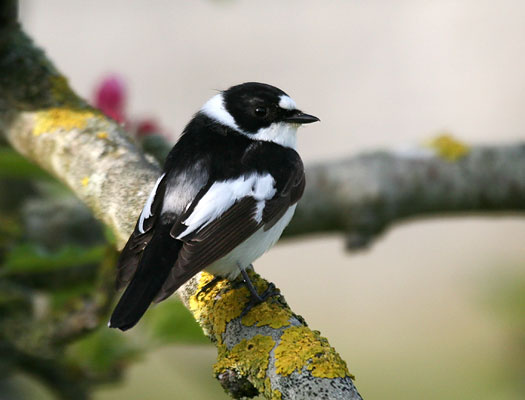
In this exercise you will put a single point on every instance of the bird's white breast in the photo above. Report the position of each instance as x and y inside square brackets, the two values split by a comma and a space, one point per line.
[251, 249]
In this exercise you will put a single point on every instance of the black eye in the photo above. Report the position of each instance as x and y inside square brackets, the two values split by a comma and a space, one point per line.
[261, 111]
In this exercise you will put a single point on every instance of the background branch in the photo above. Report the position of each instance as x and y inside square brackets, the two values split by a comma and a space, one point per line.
[364, 194]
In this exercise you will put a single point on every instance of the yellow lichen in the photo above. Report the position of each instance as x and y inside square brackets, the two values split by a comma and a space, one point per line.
[215, 306]
[448, 147]
[66, 119]
[198, 301]
[267, 387]
[270, 393]
[204, 306]
[269, 314]
[248, 358]
[85, 181]
[300, 347]
[102, 135]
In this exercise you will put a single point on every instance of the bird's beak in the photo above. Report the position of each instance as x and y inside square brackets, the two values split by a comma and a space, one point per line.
[299, 117]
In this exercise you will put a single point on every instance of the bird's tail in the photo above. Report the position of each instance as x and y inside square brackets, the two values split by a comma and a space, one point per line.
[156, 262]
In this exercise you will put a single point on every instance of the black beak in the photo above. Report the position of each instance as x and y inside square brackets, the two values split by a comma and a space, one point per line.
[299, 117]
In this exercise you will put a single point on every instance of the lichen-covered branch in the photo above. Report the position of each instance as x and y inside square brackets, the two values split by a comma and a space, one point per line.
[270, 350]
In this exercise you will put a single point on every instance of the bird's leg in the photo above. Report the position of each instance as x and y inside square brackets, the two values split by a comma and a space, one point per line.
[256, 298]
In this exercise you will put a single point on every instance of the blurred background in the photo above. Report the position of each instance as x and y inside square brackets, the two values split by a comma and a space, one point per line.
[435, 308]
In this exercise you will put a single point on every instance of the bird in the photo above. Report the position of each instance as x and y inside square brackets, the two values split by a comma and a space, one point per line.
[229, 187]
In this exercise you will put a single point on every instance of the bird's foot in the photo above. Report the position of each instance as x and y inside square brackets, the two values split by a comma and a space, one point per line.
[256, 298]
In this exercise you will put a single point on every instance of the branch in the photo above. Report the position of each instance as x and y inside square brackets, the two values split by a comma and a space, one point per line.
[270, 350]
[364, 194]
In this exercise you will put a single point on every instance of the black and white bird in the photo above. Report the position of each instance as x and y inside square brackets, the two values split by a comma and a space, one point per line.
[229, 188]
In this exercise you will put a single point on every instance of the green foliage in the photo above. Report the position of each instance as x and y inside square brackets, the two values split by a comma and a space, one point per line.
[9, 228]
[171, 322]
[110, 236]
[27, 258]
[103, 352]
[13, 165]
[64, 297]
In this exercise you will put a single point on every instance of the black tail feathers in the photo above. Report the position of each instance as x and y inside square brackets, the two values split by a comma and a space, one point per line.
[152, 271]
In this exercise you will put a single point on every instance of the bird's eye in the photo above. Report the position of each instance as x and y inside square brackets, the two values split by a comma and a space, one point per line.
[261, 111]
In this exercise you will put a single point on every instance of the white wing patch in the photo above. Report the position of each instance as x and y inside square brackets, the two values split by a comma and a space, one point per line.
[222, 195]
[182, 188]
[146, 211]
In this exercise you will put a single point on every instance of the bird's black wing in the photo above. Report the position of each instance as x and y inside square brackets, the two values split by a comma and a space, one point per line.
[141, 236]
[216, 237]
[151, 252]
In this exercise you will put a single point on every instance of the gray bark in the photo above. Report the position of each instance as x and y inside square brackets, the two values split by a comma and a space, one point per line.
[364, 194]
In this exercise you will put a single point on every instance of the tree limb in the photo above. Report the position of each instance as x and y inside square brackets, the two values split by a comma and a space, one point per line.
[364, 194]
[270, 350]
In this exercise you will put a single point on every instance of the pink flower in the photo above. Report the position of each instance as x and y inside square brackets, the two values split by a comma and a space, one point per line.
[110, 97]
[147, 127]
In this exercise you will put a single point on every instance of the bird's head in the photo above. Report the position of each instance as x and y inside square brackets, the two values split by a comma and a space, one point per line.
[259, 111]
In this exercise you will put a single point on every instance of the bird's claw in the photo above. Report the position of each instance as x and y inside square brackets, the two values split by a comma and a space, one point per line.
[256, 298]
